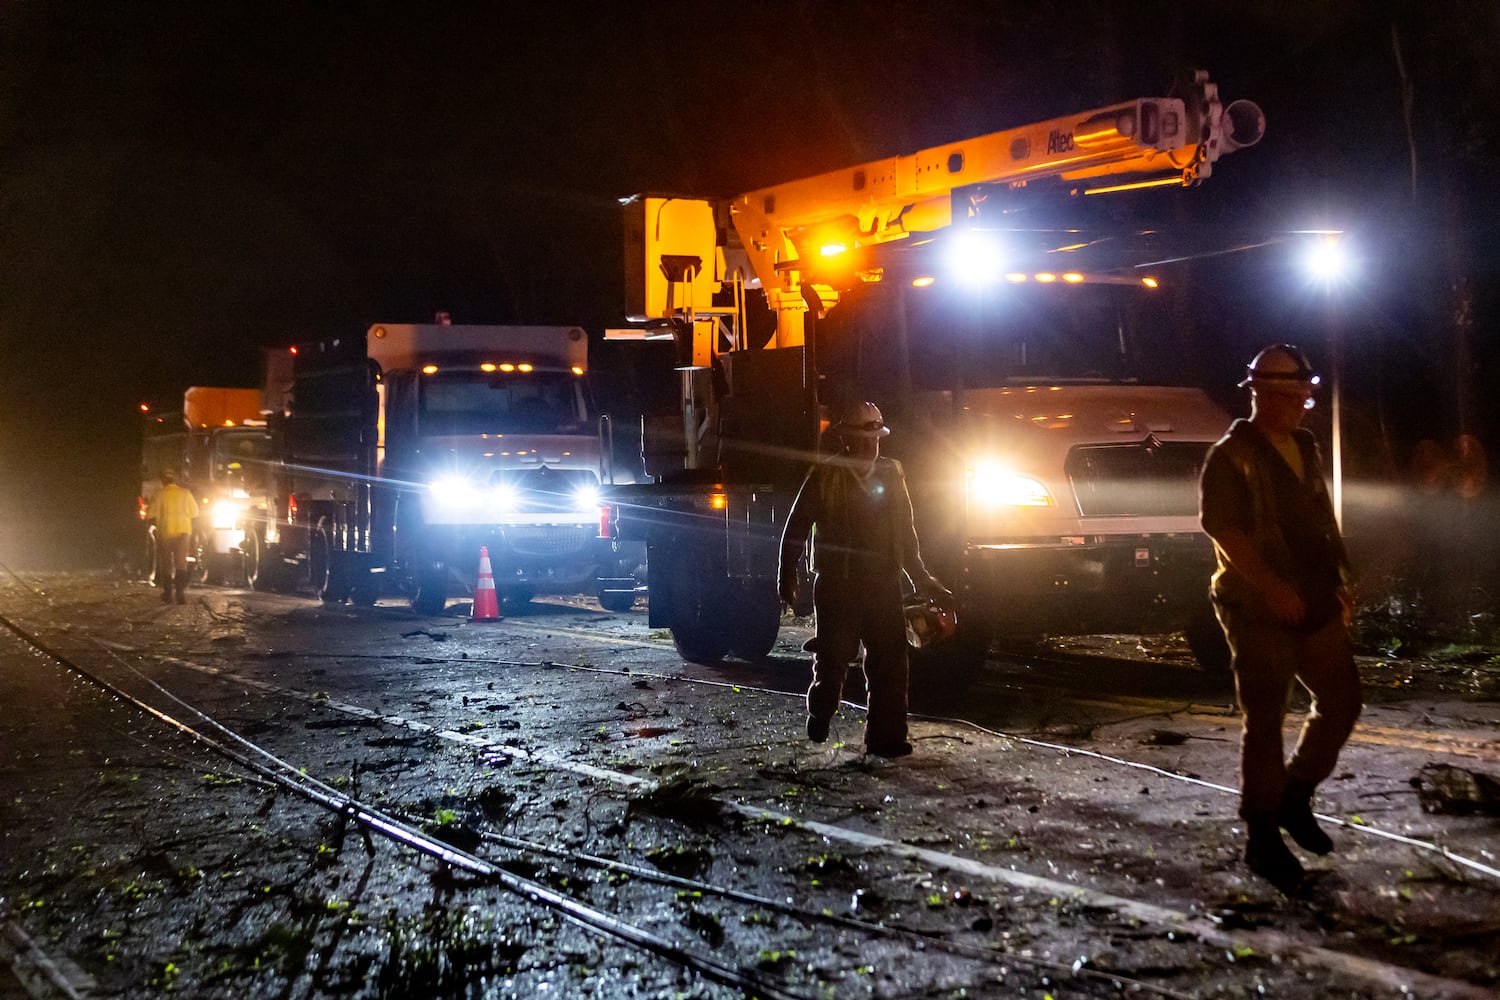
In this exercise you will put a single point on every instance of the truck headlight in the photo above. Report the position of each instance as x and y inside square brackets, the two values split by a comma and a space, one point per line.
[504, 498]
[453, 491]
[586, 497]
[225, 514]
[997, 486]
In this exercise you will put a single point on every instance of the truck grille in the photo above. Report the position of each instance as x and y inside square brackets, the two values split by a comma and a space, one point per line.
[1146, 479]
[549, 540]
[547, 490]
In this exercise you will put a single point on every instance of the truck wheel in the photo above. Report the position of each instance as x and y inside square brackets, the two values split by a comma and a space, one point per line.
[262, 563]
[697, 643]
[317, 560]
[340, 577]
[366, 589]
[754, 618]
[198, 558]
[694, 597]
[215, 572]
[616, 600]
[430, 589]
[1206, 639]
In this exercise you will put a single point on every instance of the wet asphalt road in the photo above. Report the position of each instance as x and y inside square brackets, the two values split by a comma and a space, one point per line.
[1070, 816]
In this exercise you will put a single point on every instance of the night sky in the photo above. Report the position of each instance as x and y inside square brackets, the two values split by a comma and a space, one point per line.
[184, 183]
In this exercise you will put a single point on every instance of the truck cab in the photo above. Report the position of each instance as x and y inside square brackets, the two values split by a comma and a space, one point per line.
[1053, 433]
[220, 446]
[404, 451]
[499, 428]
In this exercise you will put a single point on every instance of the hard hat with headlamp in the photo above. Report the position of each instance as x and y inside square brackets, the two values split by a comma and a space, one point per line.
[862, 420]
[1282, 368]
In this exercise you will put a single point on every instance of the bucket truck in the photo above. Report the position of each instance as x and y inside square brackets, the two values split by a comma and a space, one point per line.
[1054, 480]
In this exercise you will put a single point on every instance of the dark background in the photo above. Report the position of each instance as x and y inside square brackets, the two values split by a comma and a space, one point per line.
[182, 184]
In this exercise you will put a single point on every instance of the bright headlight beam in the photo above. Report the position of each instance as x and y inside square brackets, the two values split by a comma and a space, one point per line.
[996, 486]
[225, 514]
[586, 497]
[504, 497]
[453, 491]
[976, 258]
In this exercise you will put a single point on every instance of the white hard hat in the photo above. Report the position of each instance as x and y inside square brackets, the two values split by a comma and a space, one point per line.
[1281, 365]
[862, 420]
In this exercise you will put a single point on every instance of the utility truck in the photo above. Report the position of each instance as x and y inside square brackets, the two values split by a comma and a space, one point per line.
[1052, 462]
[401, 451]
[218, 445]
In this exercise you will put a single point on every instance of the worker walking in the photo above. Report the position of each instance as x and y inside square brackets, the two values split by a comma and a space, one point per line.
[173, 509]
[863, 548]
[1281, 594]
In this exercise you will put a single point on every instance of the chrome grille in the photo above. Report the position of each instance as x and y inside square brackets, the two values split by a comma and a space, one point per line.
[1145, 479]
[549, 539]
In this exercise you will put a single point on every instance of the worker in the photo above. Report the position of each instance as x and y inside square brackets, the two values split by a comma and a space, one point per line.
[173, 509]
[864, 551]
[1281, 593]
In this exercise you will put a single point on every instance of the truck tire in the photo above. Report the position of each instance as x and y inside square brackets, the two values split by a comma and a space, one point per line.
[699, 642]
[341, 570]
[317, 560]
[198, 558]
[754, 618]
[429, 593]
[365, 590]
[263, 568]
[694, 595]
[216, 568]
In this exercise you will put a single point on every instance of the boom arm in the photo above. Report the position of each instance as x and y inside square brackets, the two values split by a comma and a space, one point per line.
[1153, 140]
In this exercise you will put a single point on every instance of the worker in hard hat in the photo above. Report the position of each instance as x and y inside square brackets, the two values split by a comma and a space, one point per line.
[173, 509]
[864, 549]
[1282, 596]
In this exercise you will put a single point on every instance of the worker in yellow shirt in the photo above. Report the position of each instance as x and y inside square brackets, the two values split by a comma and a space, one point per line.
[173, 509]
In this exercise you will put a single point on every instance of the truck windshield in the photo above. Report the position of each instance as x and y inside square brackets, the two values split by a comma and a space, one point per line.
[455, 403]
[1005, 334]
[242, 454]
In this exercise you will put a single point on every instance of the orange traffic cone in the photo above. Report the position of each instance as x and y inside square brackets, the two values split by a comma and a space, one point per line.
[486, 604]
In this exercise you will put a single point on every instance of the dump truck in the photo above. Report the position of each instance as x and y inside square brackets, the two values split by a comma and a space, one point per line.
[1025, 362]
[401, 451]
[218, 444]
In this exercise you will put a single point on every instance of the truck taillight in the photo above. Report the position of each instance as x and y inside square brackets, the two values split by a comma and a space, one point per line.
[606, 521]
[291, 509]
[142, 509]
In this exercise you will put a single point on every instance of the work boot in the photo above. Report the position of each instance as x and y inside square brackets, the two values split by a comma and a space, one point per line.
[817, 729]
[180, 580]
[901, 749]
[166, 592]
[1267, 856]
[1296, 818]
